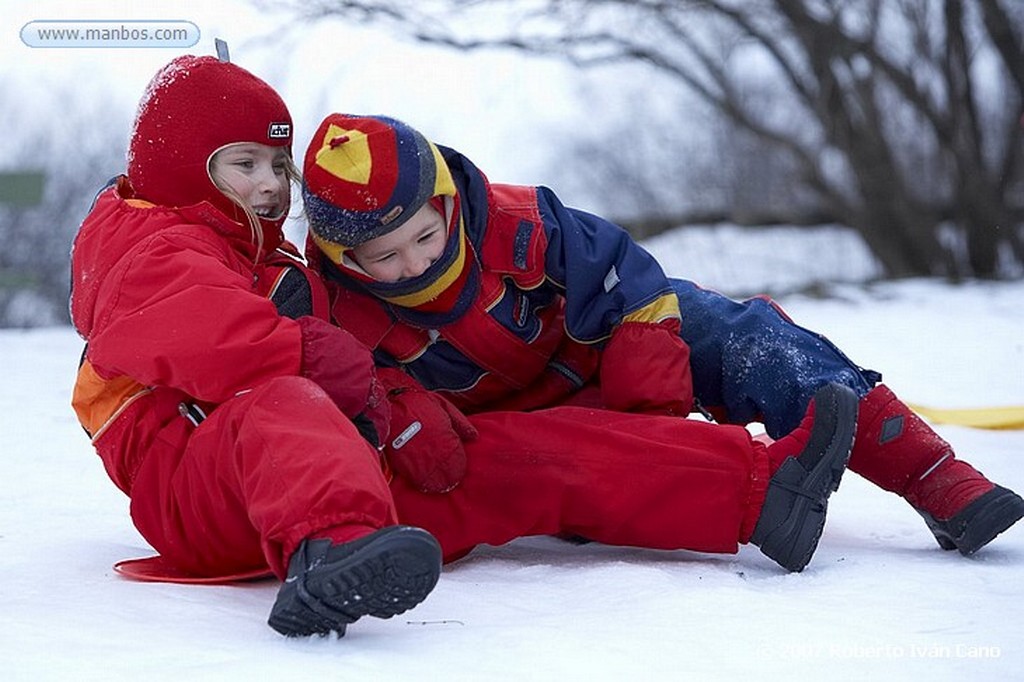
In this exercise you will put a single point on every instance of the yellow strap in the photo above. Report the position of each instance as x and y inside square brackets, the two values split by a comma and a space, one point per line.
[978, 417]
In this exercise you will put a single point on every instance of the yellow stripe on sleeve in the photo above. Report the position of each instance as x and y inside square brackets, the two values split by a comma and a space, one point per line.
[663, 308]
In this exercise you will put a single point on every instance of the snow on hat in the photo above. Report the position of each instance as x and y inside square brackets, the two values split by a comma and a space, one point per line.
[191, 108]
[364, 176]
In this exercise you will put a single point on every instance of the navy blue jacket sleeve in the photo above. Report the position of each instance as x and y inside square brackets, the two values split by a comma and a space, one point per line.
[606, 276]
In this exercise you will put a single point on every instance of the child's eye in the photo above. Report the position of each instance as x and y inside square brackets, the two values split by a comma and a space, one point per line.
[428, 237]
[384, 259]
[244, 163]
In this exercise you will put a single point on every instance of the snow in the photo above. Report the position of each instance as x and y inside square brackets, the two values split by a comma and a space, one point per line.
[879, 597]
[783, 258]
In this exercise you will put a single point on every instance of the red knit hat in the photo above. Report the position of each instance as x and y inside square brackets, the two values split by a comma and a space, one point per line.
[191, 108]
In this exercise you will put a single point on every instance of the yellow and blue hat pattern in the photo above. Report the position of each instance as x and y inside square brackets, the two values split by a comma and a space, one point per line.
[364, 176]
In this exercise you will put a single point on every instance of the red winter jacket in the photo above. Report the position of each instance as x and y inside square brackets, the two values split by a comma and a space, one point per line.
[173, 306]
[564, 300]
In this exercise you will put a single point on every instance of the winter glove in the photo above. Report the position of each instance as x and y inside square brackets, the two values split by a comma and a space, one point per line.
[343, 368]
[646, 368]
[425, 445]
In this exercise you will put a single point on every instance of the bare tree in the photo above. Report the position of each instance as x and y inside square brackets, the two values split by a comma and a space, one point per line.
[900, 117]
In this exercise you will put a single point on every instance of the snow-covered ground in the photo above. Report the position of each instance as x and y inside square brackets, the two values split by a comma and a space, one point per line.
[744, 261]
[879, 598]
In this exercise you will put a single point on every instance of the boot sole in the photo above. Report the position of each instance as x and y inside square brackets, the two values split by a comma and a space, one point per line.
[391, 574]
[1002, 509]
[794, 541]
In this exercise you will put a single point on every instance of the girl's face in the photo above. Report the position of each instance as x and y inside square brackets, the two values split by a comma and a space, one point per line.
[407, 251]
[256, 175]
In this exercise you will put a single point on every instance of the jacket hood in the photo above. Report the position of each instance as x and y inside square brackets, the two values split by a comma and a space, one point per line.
[120, 222]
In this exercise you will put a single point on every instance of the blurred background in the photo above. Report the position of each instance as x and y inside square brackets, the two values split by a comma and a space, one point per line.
[897, 121]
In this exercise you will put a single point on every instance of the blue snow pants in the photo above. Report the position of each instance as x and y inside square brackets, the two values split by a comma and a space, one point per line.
[750, 362]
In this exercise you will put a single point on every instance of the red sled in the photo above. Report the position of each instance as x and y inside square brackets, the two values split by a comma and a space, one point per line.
[153, 569]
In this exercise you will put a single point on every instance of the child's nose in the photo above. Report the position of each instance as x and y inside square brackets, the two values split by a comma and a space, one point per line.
[416, 266]
[267, 181]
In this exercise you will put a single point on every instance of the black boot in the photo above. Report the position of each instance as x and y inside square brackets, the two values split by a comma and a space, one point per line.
[793, 514]
[979, 522]
[329, 586]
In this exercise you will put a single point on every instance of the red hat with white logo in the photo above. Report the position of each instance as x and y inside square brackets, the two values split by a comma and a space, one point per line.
[193, 107]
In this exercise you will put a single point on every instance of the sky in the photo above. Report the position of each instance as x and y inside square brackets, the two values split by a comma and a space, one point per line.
[485, 104]
[879, 600]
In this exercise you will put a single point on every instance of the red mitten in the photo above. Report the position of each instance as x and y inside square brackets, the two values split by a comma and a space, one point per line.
[646, 368]
[425, 444]
[343, 367]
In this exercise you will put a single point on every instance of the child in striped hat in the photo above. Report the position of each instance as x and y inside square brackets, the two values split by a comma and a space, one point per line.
[387, 212]
[501, 298]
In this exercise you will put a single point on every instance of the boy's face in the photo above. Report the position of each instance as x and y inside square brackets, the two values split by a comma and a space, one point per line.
[257, 174]
[407, 251]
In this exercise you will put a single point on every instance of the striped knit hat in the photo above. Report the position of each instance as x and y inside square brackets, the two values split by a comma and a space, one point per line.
[364, 176]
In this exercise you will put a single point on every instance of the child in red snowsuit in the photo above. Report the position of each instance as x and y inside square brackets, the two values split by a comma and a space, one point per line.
[500, 297]
[242, 425]
[240, 435]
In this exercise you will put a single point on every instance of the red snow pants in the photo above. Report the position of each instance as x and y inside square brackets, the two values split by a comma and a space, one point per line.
[616, 478]
[265, 470]
[279, 463]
